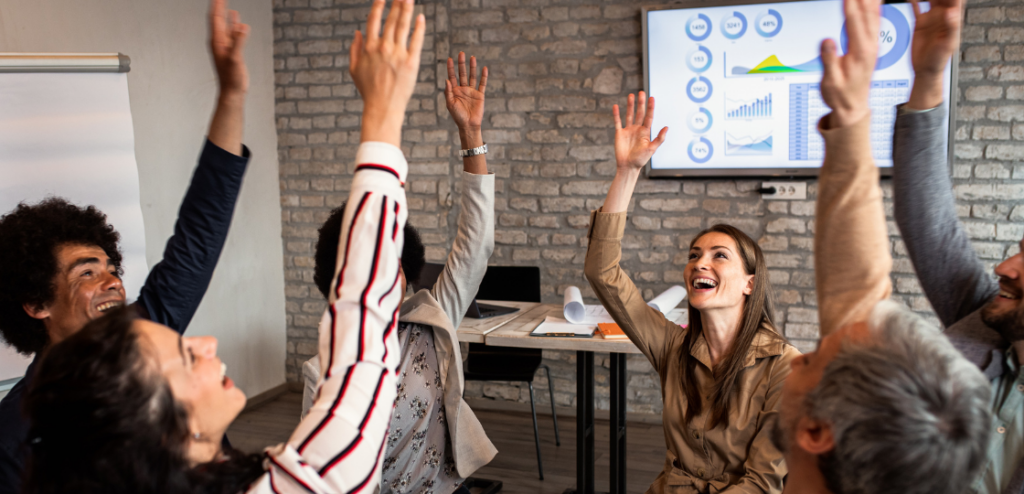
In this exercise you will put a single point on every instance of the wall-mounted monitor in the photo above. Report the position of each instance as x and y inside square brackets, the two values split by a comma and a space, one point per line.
[737, 83]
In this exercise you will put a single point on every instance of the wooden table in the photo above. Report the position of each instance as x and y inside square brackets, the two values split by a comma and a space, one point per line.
[474, 330]
[515, 332]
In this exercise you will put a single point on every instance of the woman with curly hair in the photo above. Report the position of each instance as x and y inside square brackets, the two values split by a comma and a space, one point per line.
[146, 411]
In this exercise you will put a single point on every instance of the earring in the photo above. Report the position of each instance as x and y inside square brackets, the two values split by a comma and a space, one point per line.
[195, 435]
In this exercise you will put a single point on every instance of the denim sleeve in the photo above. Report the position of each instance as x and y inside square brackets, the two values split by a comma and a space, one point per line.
[176, 284]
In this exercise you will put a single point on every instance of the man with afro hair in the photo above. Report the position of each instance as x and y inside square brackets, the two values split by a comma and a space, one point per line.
[419, 455]
[61, 264]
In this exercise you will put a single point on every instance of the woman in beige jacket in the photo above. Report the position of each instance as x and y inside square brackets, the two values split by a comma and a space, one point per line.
[721, 376]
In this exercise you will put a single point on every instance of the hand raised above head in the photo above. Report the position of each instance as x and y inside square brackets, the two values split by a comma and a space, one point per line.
[227, 43]
[936, 36]
[633, 144]
[384, 66]
[846, 82]
[464, 100]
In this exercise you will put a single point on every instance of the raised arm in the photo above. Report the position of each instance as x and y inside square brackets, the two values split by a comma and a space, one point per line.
[338, 446]
[851, 246]
[474, 240]
[176, 285]
[953, 278]
[647, 328]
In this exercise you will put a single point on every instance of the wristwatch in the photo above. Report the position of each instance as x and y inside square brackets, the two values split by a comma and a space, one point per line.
[465, 153]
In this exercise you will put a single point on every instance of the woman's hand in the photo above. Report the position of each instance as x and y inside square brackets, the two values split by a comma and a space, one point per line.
[464, 100]
[633, 149]
[633, 144]
[384, 66]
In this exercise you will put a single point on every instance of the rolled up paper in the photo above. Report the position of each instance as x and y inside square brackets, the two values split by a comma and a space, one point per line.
[667, 300]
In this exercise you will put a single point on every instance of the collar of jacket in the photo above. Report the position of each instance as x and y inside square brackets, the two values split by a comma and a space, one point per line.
[765, 344]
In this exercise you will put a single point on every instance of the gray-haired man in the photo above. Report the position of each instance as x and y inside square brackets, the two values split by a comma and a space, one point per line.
[886, 404]
[985, 319]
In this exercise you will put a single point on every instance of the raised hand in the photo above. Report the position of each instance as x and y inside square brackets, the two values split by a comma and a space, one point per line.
[384, 65]
[846, 84]
[936, 38]
[227, 43]
[464, 100]
[633, 144]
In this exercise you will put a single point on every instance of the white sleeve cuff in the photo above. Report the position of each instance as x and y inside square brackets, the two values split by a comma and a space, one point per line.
[384, 157]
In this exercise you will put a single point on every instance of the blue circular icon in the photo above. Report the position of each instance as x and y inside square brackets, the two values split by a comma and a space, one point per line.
[768, 23]
[900, 39]
[699, 121]
[700, 150]
[699, 89]
[734, 26]
[699, 59]
[698, 28]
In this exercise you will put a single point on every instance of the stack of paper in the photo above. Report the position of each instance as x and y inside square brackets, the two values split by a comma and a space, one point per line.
[585, 318]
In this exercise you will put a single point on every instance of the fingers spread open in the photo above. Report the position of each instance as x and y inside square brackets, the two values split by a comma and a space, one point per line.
[917, 9]
[451, 72]
[463, 78]
[218, 24]
[472, 72]
[618, 120]
[373, 20]
[449, 94]
[355, 50]
[649, 119]
[629, 110]
[829, 59]
[240, 35]
[416, 45]
[391, 23]
[404, 21]
[661, 137]
[483, 81]
[641, 108]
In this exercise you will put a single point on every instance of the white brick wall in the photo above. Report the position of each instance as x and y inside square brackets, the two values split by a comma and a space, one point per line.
[557, 67]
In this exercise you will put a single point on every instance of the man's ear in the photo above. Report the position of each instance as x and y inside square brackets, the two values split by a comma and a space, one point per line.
[36, 311]
[814, 436]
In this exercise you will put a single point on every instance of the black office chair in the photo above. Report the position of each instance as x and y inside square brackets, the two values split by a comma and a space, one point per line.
[489, 363]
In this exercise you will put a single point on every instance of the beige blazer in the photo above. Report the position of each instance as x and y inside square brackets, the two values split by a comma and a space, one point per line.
[442, 308]
[736, 459]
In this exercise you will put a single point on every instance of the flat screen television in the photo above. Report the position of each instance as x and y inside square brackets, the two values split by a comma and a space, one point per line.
[737, 83]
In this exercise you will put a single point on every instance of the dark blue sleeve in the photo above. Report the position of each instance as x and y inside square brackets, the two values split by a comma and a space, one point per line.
[13, 431]
[176, 285]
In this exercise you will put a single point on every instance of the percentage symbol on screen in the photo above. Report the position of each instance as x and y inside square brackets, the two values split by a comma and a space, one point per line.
[768, 23]
[885, 36]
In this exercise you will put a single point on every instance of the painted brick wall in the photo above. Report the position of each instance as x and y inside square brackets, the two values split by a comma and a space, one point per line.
[557, 67]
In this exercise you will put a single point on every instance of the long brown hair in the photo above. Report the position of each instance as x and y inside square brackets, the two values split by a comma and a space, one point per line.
[758, 314]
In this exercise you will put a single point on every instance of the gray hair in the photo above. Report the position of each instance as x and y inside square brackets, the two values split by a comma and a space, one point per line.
[909, 413]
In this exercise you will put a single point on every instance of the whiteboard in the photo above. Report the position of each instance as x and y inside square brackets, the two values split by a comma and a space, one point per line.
[70, 135]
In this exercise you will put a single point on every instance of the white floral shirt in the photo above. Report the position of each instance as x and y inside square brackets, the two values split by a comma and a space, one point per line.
[418, 458]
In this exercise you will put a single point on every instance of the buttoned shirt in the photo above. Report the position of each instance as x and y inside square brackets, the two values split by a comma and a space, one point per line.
[738, 458]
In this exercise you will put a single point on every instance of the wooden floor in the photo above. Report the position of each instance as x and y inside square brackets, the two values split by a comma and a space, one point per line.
[512, 434]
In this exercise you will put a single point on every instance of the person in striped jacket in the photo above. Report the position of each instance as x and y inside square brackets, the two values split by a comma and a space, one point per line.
[145, 413]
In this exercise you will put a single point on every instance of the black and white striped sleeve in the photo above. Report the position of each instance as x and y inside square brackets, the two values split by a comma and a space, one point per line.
[338, 446]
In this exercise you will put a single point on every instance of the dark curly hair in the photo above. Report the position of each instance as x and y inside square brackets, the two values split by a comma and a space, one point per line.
[29, 239]
[326, 256]
[110, 424]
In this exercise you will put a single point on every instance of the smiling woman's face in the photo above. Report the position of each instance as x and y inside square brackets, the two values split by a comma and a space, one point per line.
[196, 376]
[715, 275]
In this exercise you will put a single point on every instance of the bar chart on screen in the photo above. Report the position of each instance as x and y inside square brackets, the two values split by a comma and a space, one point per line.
[748, 109]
